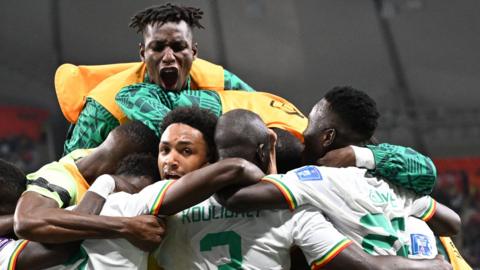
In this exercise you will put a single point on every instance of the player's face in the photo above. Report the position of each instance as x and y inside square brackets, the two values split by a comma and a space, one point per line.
[168, 53]
[182, 149]
[315, 133]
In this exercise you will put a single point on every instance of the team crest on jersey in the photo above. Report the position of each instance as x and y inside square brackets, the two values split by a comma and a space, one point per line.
[421, 245]
[308, 173]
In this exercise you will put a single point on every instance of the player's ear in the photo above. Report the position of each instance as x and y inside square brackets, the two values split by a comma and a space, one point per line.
[272, 167]
[328, 137]
[195, 50]
[141, 47]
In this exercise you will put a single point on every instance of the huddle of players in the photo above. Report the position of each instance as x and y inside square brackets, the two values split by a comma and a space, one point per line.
[207, 233]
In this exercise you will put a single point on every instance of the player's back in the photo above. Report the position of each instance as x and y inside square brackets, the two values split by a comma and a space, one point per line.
[208, 235]
[369, 210]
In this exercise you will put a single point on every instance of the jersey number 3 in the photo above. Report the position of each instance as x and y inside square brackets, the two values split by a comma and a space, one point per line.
[229, 238]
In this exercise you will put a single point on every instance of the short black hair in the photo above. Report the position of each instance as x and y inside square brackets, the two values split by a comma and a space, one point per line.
[200, 119]
[355, 108]
[166, 13]
[239, 133]
[12, 184]
[140, 135]
[139, 165]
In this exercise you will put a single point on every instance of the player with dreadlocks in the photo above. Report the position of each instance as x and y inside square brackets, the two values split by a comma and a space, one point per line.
[169, 60]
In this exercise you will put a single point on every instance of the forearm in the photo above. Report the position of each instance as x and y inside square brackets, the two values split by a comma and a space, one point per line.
[91, 204]
[353, 257]
[405, 167]
[6, 225]
[60, 226]
[445, 222]
[263, 195]
[37, 218]
[40, 256]
[208, 180]
[400, 263]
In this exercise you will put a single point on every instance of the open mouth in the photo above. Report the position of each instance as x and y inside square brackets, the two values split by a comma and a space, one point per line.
[169, 176]
[169, 77]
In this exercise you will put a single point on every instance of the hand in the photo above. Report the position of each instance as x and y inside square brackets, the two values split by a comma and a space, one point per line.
[145, 232]
[440, 263]
[341, 157]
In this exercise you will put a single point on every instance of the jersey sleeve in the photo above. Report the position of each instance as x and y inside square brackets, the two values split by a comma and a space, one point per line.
[55, 182]
[306, 185]
[316, 237]
[9, 252]
[92, 127]
[147, 202]
[145, 102]
[424, 208]
[404, 167]
[233, 82]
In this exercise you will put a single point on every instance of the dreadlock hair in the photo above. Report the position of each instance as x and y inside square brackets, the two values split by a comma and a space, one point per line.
[200, 119]
[166, 13]
[12, 185]
[356, 109]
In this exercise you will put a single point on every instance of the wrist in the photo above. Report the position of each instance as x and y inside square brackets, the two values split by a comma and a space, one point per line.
[104, 185]
[363, 157]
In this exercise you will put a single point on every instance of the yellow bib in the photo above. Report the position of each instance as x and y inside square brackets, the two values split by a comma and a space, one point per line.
[102, 82]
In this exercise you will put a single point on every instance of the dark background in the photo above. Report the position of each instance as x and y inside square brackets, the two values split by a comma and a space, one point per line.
[419, 59]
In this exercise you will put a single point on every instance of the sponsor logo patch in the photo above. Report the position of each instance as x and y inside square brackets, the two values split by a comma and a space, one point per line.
[421, 245]
[308, 173]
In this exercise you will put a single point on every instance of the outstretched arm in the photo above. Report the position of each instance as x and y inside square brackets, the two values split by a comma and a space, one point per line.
[206, 181]
[38, 218]
[400, 165]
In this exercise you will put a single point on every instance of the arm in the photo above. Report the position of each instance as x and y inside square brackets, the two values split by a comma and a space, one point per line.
[145, 102]
[39, 219]
[404, 167]
[263, 195]
[353, 257]
[445, 222]
[324, 246]
[40, 256]
[400, 165]
[206, 181]
[92, 127]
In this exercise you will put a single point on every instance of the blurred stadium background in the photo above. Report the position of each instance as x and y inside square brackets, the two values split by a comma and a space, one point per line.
[419, 59]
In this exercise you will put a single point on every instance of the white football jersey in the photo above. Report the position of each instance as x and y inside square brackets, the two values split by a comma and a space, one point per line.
[420, 239]
[368, 210]
[207, 235]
